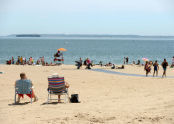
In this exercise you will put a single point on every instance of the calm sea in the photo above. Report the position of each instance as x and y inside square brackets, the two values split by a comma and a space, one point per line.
[97, 49]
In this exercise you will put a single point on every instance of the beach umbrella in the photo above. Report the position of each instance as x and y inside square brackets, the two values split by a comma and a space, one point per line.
[145, 59]
[62, 49]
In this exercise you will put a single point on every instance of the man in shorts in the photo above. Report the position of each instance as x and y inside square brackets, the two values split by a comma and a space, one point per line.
[164, 65]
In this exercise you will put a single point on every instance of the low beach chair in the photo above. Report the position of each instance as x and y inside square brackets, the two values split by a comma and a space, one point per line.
[23, 87]
[56, 86]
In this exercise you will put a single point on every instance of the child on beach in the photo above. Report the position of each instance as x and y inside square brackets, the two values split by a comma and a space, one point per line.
[156, 68]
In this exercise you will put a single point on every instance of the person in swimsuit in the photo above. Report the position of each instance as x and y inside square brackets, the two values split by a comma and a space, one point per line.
[147, 68]
[156, 68]
[164, 65]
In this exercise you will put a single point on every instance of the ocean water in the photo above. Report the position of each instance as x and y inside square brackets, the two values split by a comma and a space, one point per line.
[97, 49]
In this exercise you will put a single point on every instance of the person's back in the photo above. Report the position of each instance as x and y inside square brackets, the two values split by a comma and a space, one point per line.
[24, 86]
[164, 65]
[155, 65]
[21, 59]
[156, 68]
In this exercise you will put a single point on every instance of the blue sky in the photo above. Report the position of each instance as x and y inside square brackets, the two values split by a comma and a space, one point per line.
[142, 17]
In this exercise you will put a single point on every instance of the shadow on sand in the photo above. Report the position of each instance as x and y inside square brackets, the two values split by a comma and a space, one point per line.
[13, 104]
[52, 103]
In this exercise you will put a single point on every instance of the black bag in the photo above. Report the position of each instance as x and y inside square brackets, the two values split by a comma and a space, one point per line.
[74, 98]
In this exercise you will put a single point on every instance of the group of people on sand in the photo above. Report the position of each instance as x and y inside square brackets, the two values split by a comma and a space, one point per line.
[148, 65]
[107, 64]
[117, 67]
[87, 62]
[32, 95]
[23, 61]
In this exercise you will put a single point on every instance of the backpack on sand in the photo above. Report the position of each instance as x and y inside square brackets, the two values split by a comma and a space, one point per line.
[74, 98]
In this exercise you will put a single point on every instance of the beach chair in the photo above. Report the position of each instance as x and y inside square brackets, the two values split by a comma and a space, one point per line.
[56, 86]
[23, 87]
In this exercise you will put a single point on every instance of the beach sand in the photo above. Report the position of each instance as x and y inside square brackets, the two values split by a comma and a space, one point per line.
[105, 98]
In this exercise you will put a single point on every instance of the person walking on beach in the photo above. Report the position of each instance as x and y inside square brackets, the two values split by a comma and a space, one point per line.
[147, 68]
[156, 68]
[164, 65]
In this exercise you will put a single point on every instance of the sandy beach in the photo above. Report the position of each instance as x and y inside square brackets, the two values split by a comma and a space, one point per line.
[105, 98]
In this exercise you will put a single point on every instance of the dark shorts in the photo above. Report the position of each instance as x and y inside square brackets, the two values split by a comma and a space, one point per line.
[164, 69]
[155, 69]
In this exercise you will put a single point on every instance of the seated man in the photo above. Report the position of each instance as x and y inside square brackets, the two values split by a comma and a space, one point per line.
[23, 77]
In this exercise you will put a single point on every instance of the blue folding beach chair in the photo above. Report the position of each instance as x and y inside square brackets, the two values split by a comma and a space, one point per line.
[56, 86]
[23, 87]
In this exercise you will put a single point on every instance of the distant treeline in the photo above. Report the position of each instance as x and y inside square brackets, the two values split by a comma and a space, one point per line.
[28, 35]
[89, 35]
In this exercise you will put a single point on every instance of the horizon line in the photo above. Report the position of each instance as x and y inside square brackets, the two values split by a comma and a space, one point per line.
[87, 34]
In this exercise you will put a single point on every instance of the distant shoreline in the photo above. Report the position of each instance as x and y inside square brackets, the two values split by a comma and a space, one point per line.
[89, 35]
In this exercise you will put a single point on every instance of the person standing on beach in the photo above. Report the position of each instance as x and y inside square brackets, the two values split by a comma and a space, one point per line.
[172, 62]
[18, 61]
[101, 63]
[24, 60]
[21, 60]
[164, 65]
[127, 60]
[147, 68]
[124, 60]
[12, 60]
[156, 68]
